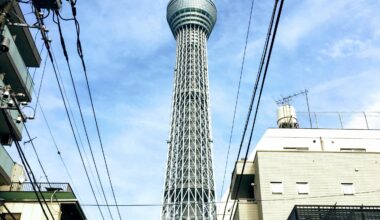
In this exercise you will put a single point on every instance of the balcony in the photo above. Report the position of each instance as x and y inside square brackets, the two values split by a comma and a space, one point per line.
[6, 165]
[24, 191]
[14, 68]
[11, 116]
[61, 192]
[24, 40]
[320, 212]
[247, 179]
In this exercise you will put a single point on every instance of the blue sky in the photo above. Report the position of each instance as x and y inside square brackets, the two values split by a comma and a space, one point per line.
[331, 48]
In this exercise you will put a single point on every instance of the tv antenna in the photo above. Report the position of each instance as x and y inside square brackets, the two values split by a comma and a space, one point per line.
[286, 101]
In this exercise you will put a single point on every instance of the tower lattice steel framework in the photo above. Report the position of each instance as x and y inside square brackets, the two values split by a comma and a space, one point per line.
[189, 185]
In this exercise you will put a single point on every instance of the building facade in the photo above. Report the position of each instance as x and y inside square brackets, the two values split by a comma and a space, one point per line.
[189, 184]
[18, 199]
[293, 170]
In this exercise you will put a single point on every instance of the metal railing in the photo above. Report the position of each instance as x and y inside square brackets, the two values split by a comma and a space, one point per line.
[339, 120]
[44, 187]
[322, 212]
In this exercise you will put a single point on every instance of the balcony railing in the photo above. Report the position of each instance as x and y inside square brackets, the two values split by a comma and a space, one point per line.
[44, 187]
[339, 120]
[320, 212]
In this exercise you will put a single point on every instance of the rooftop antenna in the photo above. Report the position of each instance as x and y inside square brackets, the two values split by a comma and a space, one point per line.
[284, 102]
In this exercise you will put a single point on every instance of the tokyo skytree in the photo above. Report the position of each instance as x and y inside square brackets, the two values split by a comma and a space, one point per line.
[189, 192]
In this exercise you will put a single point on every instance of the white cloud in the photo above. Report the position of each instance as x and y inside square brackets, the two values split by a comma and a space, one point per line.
[370, 118]
[352, 48]
[307, 18]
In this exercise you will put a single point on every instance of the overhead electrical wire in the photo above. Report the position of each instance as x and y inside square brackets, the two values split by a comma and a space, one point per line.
[258, 79]
[237, 96]
[80, 53]
[41, 50]
[36, 153]
[40, 86]
[38, 103]
[33, 181]
[262, 87]
[244, 202]
[28, 169]
[74, 121]
[46, 122]
[75, 124]
[9, 212]
[39, 161]
[47, 45]
[23, 159]
[59, 152]
[80, 108]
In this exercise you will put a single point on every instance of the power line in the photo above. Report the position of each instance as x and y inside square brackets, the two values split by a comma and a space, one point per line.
[42, 49]
[47, 45]
[32, 178]
[241, 202]
[27, 167]
[80, 53]
[262, 86]
[237, 96]
[80, 108]
[34, 114]
[9, 212]
[36, 153]
[254, 93]
[27, 131]
[40, 86]
[59, 153]
[74, 122]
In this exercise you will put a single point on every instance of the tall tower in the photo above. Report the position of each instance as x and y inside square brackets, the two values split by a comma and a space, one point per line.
[189, 192]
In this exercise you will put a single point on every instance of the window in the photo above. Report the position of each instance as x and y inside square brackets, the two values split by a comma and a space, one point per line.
[348, 188]
[276, 187]
[302, 188]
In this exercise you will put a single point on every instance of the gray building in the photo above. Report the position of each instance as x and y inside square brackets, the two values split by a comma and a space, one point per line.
[316, 173]
[18, 198]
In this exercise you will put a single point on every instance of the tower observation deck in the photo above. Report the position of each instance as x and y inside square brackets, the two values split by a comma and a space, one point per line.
[189, 192]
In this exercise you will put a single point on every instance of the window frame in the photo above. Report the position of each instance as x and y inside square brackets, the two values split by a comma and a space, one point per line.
[348, 189]
[277, 187]
[302, 188]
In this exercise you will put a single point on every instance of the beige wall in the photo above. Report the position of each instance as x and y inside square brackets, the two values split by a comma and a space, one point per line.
[246, 211]
[33, 211]
[324, 172]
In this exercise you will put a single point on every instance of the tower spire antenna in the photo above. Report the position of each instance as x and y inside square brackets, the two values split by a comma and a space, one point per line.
[189, 184]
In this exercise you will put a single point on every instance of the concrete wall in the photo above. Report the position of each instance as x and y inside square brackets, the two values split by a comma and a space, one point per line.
[246, 211]
[318, 140]
[33, 211]
[323, 171]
